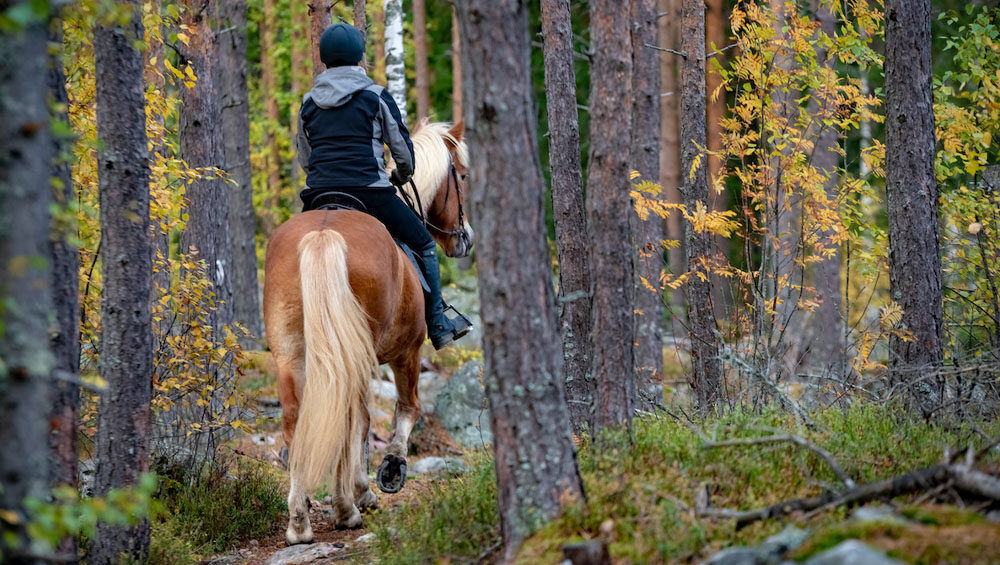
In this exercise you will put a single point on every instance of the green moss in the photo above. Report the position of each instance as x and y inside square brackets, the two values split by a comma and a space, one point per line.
[942, 515]
[833, 535]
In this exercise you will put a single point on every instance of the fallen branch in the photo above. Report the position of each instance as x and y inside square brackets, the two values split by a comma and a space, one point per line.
[963, 476]
[824, 454]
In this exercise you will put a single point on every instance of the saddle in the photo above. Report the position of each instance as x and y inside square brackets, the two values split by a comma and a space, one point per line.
[344, 201]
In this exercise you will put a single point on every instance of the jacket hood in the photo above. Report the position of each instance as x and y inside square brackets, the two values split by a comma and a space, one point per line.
[335, 86]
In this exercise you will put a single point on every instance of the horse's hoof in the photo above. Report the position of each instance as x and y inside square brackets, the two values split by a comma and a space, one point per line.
[391, 475]
[294, 538]
[351, 522]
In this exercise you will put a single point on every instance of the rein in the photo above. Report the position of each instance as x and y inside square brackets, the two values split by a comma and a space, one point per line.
[417, 206]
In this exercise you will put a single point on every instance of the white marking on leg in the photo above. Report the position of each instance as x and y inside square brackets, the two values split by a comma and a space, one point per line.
[299, 529]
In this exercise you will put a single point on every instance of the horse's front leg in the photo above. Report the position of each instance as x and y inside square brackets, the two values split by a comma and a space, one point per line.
[391, 473]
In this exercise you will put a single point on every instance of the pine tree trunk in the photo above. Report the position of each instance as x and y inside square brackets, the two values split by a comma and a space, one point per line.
[395, 69]
[646, 235]
[361, 18]
[456, 69]
[123, 431]
[153, 76]
[236, 154]
[65, 290]
[568, 209]
[379, 39]
[670, 153]
[269, 79]
[320, 18]
[705, 372]
[299, 76]
[912, 197]
[609, 212]
[420, 59]
[715, 33]
[828, 348]
[26, 150]
[534, 452]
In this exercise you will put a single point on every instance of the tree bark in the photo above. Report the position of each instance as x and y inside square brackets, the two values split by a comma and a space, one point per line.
[320, 18]
[123, 432]
[269, 79]
[534, 452]
[568, 210]
[379, 39]
[670, 153]
[912, 197]
[705, 372]
[395, 69]
[456, 69]
[715, 34]
[65, 338]
[609, 212]
[236, 162]
[361, 18]
[648, 331]
[27, 363]
[299, 75]
[420, 59]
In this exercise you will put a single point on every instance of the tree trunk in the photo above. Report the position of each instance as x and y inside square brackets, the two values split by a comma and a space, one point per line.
[670, 153]
[378, 35]
[912, 197]
[269, 80]
[648, 331]
[123, 431]
[65, 297]
[420, 59]
[828, 348]
[715, 34]
[568, 209]
[160, 208]
[26, 150]
[705, 372]
[361, 19]
[534, 452]
[320, 18]
[299, 76]
[395, 69]
[456, 69]
[609, 212]
[236, 155]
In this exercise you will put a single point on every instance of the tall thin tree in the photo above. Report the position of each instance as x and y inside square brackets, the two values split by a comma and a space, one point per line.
[124, 426]
[568, 208]
[456, 69]
[268, 30]
[361, 18]
[236, 161]
[648, 331]
[912, 198]
[609, 212]
[378, 38]
[320, 18]
[705, 370]
[670, 153]
[420, 59]
[534, 452]
[395, 68]
[25, 156]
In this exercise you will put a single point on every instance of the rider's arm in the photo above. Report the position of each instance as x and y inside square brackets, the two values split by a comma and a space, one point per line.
[396, 136]
[302, 145]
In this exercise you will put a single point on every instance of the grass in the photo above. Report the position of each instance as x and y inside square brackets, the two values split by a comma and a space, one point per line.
[642, 489]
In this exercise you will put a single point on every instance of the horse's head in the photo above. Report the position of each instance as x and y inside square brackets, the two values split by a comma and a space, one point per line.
[440, 172]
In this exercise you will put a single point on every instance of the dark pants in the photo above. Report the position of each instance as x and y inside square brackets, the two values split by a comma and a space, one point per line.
[383, 204]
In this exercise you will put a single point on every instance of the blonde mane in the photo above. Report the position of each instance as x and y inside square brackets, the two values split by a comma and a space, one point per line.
[432, 158]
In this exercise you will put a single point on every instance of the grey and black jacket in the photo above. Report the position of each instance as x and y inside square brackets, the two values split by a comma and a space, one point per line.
[344, 122]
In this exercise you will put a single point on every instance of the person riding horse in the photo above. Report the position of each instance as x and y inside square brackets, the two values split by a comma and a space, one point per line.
[344, 124]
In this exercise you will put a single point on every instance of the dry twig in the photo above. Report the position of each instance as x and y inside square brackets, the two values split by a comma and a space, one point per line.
[824, 454]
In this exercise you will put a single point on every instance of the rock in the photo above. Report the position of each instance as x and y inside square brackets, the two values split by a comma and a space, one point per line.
[235, 558]
[262, 439]
[784, 541]
[306, 553]
[428, 387]
[466, 301]
[437, 465]
[852, 552]
[740, 555]
[593, 552]
[384, 389]
[880, 513]
[367, 538]
[461, 407]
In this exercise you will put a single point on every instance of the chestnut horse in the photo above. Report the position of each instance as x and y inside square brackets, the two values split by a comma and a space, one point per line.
[341, 298]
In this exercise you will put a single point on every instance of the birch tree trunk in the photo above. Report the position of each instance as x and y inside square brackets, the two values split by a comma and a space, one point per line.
[456, 69]
[646, 235]
[568, 209]
[395, 69]
[420, 59]
[705, 372]
[912, 198]
[670, 153]
[534, 452]
[236, 162]
[24, 277]
[320, 18]
[609, 211]
[124, 426]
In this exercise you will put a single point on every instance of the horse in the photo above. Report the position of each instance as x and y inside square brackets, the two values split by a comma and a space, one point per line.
[340, 299]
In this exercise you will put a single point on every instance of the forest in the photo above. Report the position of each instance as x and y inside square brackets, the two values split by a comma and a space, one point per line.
[499, 281]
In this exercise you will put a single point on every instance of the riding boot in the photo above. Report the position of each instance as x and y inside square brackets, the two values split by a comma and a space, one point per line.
[440, 328]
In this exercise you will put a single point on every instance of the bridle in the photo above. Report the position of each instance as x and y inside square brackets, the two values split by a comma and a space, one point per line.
[417, 206]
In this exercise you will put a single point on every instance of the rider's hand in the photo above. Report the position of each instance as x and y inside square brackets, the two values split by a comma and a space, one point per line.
[394, 178]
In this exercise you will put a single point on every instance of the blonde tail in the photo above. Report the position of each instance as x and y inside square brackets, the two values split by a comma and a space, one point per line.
[340, 358]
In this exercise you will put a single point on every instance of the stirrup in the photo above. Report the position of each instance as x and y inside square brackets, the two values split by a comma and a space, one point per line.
[462, 324]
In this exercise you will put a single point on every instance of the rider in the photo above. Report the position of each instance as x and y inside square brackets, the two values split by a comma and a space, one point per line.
[344, 124]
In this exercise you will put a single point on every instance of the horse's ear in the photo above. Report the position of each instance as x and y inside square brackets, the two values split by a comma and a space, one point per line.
[457, 130]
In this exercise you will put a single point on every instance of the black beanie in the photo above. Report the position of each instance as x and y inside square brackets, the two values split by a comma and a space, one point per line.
[341, 44]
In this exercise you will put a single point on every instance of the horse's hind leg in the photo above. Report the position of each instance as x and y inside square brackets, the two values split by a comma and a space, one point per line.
[391, 473]
[290, 383]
